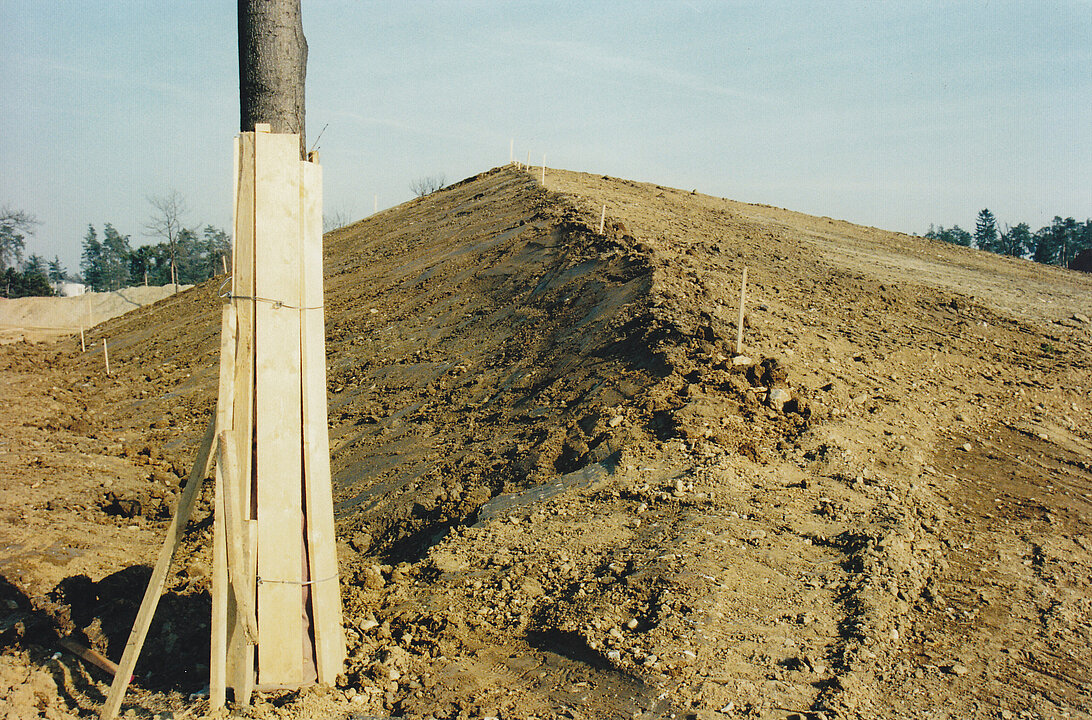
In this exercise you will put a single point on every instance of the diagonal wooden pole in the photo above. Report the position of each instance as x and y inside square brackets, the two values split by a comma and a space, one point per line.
[202, 465]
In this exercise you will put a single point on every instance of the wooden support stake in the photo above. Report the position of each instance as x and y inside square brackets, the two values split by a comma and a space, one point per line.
[318, 496]
[602, 219]
[544, 169]
[222, 605]
[278, 412]
[83, 348]
[202, 465]
[106, 356]
[241, 653]
[739, 325]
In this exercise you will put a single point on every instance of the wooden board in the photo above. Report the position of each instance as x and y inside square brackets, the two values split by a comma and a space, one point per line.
[202, 465]
[222, 608]
[218, 646]
[278, 409]
[240, 658]
[318, 499]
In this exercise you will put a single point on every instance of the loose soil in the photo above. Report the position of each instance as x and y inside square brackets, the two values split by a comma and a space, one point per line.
[560, 495]
[40, 318]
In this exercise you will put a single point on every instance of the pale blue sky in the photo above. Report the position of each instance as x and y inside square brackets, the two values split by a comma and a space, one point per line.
[894, 114]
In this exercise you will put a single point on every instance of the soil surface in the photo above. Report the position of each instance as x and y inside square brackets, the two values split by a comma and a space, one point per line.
[561, 492]
[40, 318]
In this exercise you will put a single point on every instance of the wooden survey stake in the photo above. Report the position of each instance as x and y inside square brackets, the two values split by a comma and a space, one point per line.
[742, 301]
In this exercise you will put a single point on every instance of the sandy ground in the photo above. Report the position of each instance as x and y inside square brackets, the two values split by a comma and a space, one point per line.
[40, 318]
[558, 495]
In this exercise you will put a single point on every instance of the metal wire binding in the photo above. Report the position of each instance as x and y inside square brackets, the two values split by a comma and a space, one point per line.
[259, 581]
[275, 303]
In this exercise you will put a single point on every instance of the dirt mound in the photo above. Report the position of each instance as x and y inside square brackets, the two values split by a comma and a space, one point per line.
[559, 493]
[38, 318]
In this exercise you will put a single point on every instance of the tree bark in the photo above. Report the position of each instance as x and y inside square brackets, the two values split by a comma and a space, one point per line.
[272, 66]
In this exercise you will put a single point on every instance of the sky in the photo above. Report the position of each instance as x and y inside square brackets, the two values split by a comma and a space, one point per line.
[892, 114]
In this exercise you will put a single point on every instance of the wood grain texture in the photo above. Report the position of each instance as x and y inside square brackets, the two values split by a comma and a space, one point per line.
[240, 659]
[318, 499]
[278, 408]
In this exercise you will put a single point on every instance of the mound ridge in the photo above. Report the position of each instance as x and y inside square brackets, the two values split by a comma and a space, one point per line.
[558, 495]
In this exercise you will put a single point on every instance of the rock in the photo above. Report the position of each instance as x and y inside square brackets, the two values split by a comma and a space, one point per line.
[777, 398]
[958, 669]
[616, 420]
[532, 588]
[1081, 318]
[372, 578]
[741, 361]
[967, 447]
[632, 624]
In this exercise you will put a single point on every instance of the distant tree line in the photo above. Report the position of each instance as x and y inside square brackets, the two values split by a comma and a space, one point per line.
[1055, 244]
[186, 255]
[34, 277]
[109, 263]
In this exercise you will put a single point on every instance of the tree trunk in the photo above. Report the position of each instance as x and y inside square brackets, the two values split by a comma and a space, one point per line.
[272, 66]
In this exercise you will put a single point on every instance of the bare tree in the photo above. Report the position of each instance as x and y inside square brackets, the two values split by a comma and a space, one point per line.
[15, 225]
[167, 223]
[426, 185]
[272, 66]
[336, 219]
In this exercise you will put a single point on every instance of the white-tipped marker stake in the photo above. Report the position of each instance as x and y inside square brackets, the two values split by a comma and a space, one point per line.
[223, 261]
[739, 326]
[544, 169]
[602, 219]
[83, 348]
[106, 356]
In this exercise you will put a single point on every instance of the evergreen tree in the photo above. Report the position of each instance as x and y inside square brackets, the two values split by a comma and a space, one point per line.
[1083, 241]
[188, 261]
[57, 273]
[954, 235]
[35, 265]
[1017, 241]
[1058, 243]
[15, 284]
[91, 260]
[985, 232]
[115, 258]
[151, 264]
[216, 250]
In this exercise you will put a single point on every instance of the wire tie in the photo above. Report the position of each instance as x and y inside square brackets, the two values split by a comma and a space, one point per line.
[261, 581]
